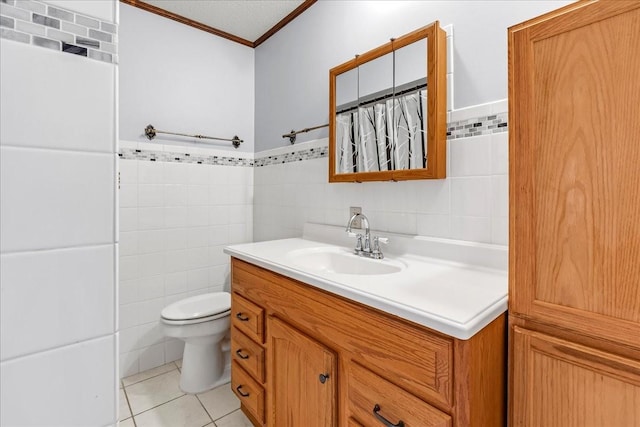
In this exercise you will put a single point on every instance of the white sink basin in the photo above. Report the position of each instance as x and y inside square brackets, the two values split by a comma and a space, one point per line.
[341, 261]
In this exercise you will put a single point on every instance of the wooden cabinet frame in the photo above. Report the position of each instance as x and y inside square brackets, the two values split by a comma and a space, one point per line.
[465, 379]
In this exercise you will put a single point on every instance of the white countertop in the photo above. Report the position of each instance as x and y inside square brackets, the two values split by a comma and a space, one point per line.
[453, 297]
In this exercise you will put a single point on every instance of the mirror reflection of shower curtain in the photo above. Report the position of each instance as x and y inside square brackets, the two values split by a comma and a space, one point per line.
[387, 135]
[346, 137]
[410, 133]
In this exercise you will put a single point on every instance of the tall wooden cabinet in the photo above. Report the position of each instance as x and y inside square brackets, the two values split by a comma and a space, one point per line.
[574, 284]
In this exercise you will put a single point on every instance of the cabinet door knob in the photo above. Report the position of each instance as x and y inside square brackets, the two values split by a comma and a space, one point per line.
[239, 390]
[240, 355]
[324, 378]
[383, 420]
[242, 317]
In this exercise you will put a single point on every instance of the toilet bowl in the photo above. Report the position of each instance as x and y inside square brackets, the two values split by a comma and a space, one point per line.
[203, 323]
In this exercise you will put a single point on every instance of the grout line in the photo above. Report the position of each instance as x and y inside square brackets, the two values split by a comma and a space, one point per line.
[59, 149]
[75, 343]
[205, 409]
[60, 248]
[129, 405]
[157, 406]
[154, 376]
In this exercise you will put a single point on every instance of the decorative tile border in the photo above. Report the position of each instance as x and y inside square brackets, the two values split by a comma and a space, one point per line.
[177, 157]
[484, 125]
[494, 123]
[39, 24]
[293, 156]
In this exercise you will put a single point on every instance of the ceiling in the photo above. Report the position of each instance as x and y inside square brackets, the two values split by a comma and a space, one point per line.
[249, 22]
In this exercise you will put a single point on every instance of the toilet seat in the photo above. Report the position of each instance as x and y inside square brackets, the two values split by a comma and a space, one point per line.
[198, 309]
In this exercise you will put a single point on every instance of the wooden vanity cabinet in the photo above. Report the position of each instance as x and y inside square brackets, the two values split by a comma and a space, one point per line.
[574, 270]
[329, 361]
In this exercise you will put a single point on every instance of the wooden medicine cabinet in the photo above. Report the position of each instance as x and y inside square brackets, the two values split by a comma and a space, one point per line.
[387, 111]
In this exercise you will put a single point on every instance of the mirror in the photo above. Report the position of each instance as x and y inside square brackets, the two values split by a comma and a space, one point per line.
[387, 116]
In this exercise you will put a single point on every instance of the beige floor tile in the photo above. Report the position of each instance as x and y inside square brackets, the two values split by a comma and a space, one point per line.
[219, 401]
[125, 412]
[148, 374]
[185, 411]
[126, 423]
[154, 391]
[235, 419]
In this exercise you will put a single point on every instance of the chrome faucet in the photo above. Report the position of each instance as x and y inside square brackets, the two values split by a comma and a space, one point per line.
[364, 248]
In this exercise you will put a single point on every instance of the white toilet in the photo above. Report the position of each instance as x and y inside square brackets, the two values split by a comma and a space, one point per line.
[203, 323]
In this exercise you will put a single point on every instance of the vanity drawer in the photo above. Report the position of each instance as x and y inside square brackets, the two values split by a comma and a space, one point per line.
[247, 317]
[247, 354]
[250, 393]
[372, 398]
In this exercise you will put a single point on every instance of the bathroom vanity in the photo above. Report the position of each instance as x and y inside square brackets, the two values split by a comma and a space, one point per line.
[319, 346]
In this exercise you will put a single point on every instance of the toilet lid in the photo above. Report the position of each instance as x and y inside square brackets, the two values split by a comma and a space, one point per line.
[197, 307]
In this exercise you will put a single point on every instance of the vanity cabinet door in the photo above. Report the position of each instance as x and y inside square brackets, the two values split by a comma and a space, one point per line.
[302, 379]
[564, 384]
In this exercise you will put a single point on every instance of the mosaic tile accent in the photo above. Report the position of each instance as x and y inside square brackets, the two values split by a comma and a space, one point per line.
[177, 157]
[461, 129]
[293, 156]
[35, 22]
[494, 123]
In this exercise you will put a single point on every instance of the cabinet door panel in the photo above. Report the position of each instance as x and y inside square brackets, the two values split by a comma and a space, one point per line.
[563, 384]
[575, 179]
[297, 394]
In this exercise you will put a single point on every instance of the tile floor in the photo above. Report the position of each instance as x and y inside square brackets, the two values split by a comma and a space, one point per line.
[153, 399]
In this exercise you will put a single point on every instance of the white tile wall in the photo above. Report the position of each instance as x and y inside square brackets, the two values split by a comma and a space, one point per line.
[73, 385]
[60, 302]
[58, 350]
[175, 219]
[54, 198]
[470, 204]
[75, 99]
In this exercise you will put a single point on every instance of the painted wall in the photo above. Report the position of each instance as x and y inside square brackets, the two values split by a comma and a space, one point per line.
[58, 232]
[180, 79]
[292, 67]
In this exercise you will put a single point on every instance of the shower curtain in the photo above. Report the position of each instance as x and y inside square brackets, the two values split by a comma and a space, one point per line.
[386, 135]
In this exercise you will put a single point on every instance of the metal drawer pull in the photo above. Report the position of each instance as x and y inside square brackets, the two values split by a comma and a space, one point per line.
[242, 393]
[242, 318]
[383, 420]
[324, 378]
[240, 355]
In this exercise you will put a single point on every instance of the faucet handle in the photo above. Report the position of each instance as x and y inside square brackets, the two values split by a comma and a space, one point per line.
[359, 243]
[377, 253]
[384, 240]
